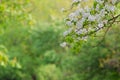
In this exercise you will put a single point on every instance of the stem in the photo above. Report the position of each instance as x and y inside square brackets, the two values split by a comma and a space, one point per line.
[114, 18]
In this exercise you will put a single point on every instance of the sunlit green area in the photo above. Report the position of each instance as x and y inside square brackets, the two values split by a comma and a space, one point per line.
[30, 37]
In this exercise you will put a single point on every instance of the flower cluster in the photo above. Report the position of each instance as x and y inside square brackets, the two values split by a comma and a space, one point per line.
[87, 20]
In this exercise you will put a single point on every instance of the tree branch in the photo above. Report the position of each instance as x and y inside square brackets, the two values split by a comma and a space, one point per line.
[109, 21]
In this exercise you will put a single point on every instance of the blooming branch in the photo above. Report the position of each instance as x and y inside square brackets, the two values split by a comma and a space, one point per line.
[85, 21]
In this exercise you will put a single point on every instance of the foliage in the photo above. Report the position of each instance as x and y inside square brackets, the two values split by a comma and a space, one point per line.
[14, 11]
[30, 51]
[96, 62]
[49, 72]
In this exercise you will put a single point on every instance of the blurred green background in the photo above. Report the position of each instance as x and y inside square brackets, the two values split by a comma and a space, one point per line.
[30, 37]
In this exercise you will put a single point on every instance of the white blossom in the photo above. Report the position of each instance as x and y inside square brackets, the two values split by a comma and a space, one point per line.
[64, 44]
[85, 15]
[63, 9]
[77, 12]
[81, 31]
[102, 12]
[85, 0]
[91, 18]
[98, 17]
[81, 10]
[85, 38]
[82, 38]
[110, 8]
[100, 25]
[69, 23]
[67, 32]
[75, 1]
[87, 9]
[97, 7]
[114, 1]
[90, 29]
[79, 23]
[105, 21]
[100, 1]
[71, 16]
